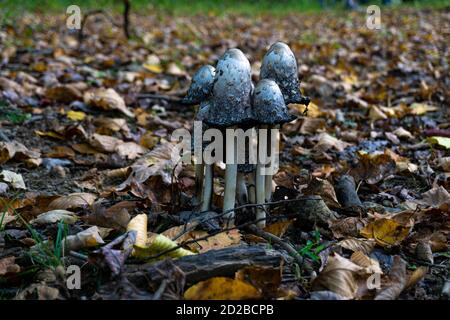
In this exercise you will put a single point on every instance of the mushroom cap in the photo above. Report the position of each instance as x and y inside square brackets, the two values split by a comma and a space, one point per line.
[201, 85]
[280, 65]
[268, 104]
[231, 99]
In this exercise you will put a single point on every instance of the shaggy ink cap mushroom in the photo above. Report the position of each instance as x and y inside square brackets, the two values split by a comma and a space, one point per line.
[201, 85]
[230, 103]
[280, 65]
[268, 104]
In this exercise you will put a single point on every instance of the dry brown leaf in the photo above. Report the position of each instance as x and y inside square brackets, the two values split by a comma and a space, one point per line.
[54, 216]
[15, 150]
[437, 197]
[376, 114]
[354, 244]
[397, 283]
[7, 265]
[218, 241]
[323, 188]
[347, 227]
[107, 99]
[340, 276]
[416, 276]
[312, 125]
[64, 93]
[73, 201]
[104, 143]
[327, 142]
[362, 260]
[278, 228]
[130, 150]
[221, 288]
[373, 168]
[61, 152]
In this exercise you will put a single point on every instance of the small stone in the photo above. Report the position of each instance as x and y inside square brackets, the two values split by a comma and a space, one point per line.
[59, 171]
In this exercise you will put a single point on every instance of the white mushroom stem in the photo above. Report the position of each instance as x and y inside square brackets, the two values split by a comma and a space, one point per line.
[242, 194]
[261, 182]
[229, 197]
[272, 144]
[207, 187]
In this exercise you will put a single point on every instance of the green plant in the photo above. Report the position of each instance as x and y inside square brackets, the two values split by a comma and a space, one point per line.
[12, 114]
[312, 247]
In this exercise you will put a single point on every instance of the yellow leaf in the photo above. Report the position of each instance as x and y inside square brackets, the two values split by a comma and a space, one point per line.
[421, 108]
[386, 232]
[76, 115]
[221, 288]
[139, 224]
[155, 68]
[158, 243]
[49, 134]
[441, 141]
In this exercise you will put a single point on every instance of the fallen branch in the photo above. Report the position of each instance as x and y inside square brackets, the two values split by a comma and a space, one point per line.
[286, 246]
[214, 263]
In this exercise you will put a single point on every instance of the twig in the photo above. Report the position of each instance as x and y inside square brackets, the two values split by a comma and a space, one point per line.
[273, 238]
[158, 294]
[126, 18]
[158, 97]
[79, 256]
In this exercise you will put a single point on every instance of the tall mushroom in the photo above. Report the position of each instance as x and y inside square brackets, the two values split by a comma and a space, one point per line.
[199, 93]
[280, 65]
[230, 107]
[269, 110]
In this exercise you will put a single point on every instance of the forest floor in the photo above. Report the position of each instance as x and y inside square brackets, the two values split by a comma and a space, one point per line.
[85, 138]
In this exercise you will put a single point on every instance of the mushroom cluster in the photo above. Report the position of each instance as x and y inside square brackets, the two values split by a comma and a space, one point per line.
[228, 99]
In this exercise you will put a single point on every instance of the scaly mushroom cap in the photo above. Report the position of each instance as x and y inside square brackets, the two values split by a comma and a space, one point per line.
[280, 65]
[201, 85]
[230, 103]
[268, 104]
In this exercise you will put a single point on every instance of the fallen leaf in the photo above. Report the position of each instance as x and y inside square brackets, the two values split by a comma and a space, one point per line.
[340, 276]
[54, 216]
[104, 143]
[130, 150]
[354, 244]
[15, 150]
[397, 283]
[76, 115]
[278, 228]
[85, 239]
[7, 265]
[440, 141]
[327, 142]
[386, 232]
[323, 188]
[419, 109]
[107, 99]
[13, 179]
[437, 197]
[221, 288]
[73, 201]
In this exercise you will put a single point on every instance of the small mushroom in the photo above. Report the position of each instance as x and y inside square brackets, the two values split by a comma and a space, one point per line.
[200, 92]
[230, 107]
[269, 109]
[280, 65]
[201, 85]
